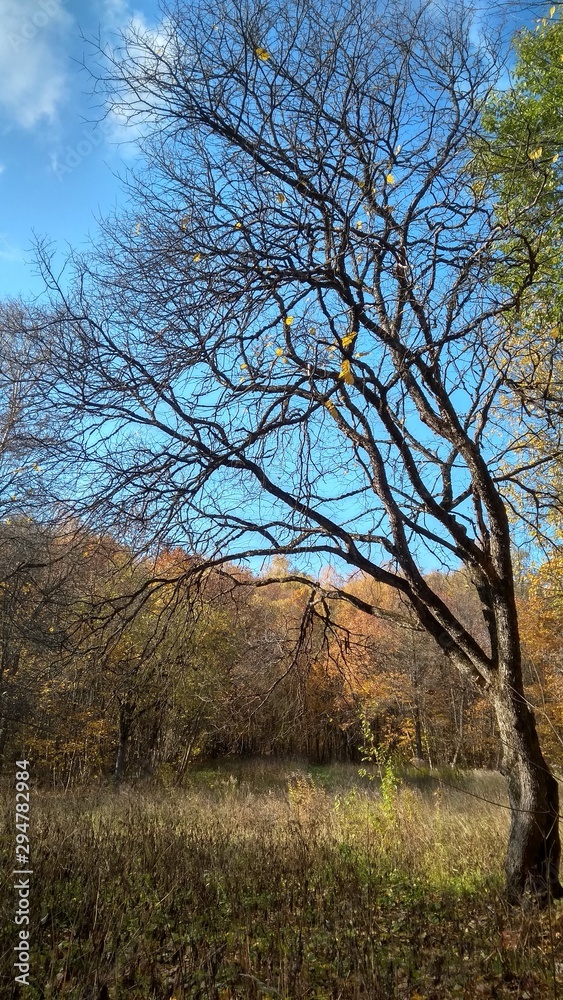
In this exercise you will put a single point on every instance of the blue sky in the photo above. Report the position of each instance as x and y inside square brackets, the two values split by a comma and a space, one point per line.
[57, 170]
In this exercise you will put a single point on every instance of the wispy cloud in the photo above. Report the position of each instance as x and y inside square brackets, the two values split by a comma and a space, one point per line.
[112, 125]
[10, 253]
[115, 12]
[33, 82]
[127, 112]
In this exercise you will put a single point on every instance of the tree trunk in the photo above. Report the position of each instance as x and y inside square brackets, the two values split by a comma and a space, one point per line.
[124, 733]
[418, 730]
[9, 665]
[459, 726]
[534, 845]
[4, 725]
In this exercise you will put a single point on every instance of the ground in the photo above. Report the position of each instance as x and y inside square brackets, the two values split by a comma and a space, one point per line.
[274, 880]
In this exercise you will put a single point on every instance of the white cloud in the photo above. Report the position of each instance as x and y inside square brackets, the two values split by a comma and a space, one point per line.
[115, 12]
[33, 82]
[127, 119]
[115, 15]
[8, 252]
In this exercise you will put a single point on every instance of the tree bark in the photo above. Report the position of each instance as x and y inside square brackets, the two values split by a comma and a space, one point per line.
[124, 733]
[418, 730]
[4, 725]
[534, 845]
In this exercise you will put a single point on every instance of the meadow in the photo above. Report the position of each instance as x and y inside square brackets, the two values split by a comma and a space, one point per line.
[263, 881]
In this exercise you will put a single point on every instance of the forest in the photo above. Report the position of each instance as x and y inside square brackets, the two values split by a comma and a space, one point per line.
[110, 671]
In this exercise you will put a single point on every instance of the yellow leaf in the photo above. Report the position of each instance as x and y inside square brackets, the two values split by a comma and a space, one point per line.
[279, 351]
[137, 228]
[536, 153]
[346, 373]
[280, 197]
[313, 331]
[348, 339]
[288, 320]
[555, 158]
[244, 366]
[390, 179]
[358, 225]
[331, 408]
[262, 54]
[184, 222]
[551, 11]
[197, 257]
[238, 225]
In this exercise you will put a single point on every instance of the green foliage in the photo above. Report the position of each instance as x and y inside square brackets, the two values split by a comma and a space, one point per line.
[518, 166]
[383, 756]
[521, 154]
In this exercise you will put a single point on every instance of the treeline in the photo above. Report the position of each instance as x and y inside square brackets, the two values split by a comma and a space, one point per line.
[114, 666]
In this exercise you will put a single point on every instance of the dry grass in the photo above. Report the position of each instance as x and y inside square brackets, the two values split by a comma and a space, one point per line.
[248, 886]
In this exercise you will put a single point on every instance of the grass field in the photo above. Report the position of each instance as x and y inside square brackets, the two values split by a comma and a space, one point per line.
[276, 881]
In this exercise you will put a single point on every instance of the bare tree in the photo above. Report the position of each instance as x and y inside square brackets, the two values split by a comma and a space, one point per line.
[291, 342]
[22, 431]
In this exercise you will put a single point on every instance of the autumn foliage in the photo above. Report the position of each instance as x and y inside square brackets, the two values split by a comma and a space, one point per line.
[116, 667]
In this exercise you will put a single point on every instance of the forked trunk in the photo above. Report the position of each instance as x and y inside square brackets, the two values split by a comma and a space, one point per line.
[534, 845]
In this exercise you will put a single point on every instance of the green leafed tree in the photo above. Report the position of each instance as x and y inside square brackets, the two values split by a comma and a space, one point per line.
[519, 167]
[290, 343]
